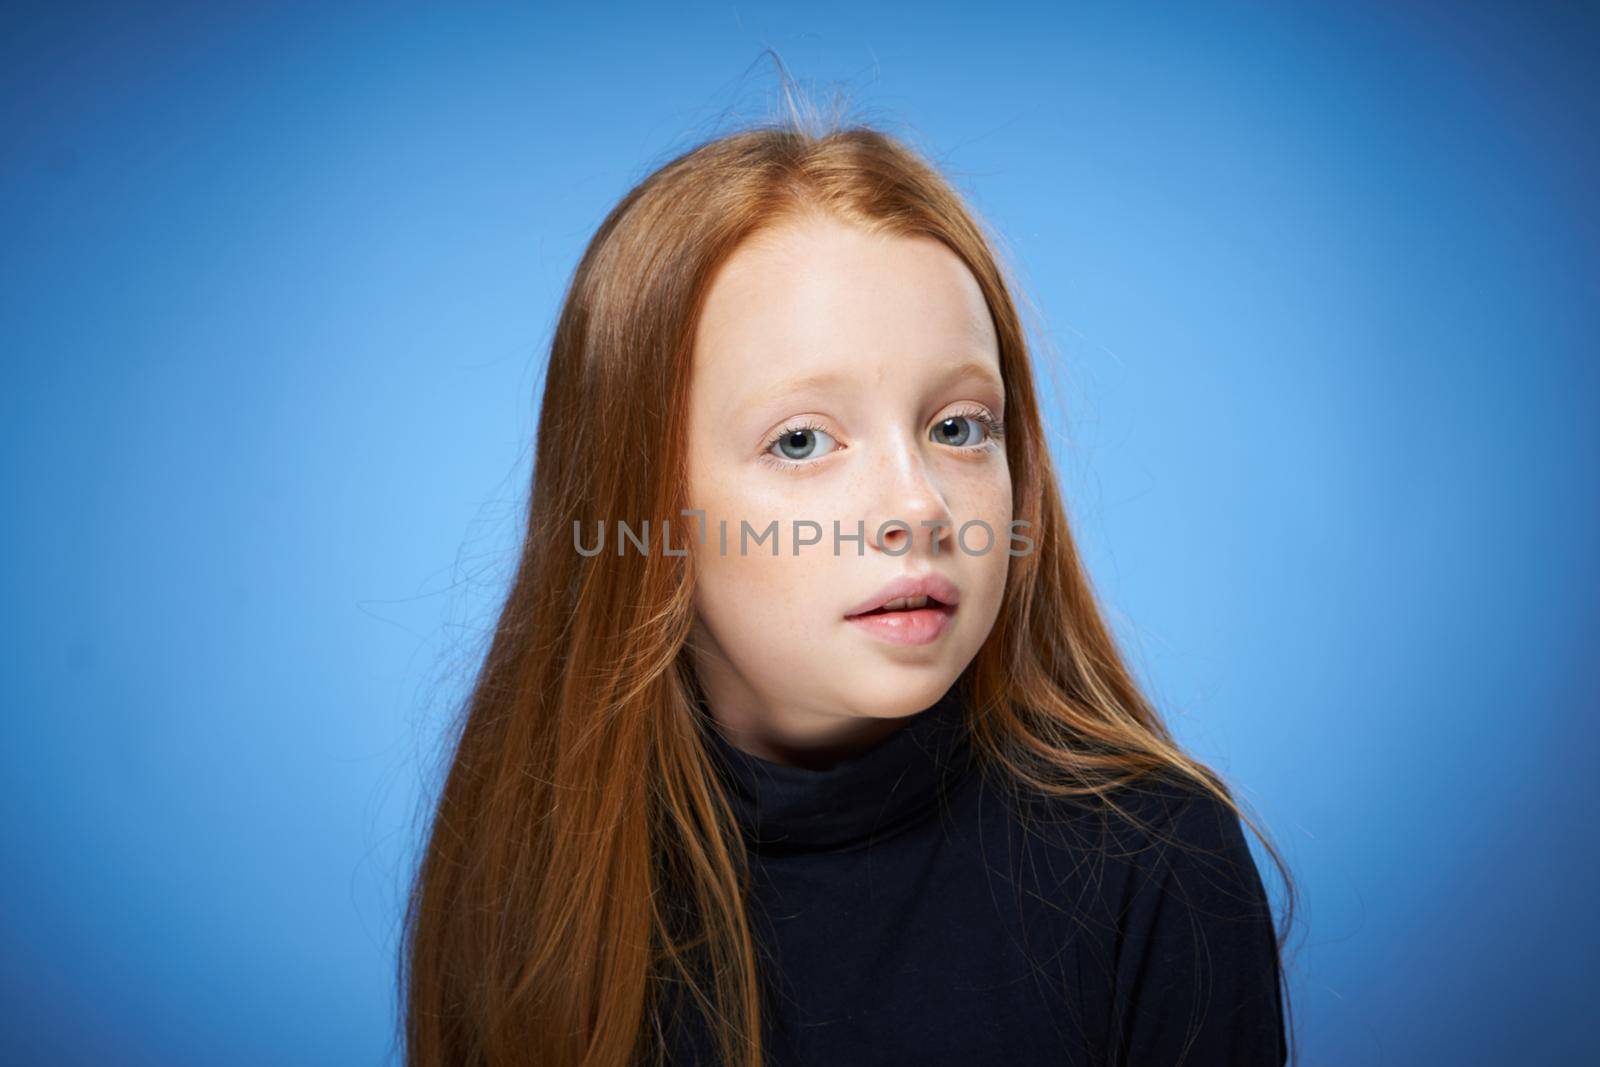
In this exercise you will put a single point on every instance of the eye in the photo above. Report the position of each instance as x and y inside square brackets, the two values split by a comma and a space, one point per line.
[966, 429]
[801, 442]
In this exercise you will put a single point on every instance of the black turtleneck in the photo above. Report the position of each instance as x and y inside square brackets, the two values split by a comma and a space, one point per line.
[910, 909]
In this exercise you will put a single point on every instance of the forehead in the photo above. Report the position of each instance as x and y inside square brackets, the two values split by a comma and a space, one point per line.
[823, 297]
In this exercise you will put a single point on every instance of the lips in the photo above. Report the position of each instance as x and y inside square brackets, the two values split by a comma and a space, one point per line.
[907, 604]
[914, 609]
[911, 592]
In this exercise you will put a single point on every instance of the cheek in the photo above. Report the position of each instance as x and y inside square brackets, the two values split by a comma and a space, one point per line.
[762, 608]
[994, 499]
[989, 500]
[984, 497]
[767, 613]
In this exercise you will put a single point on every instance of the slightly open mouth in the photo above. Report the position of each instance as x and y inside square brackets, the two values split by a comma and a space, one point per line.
[931, 605]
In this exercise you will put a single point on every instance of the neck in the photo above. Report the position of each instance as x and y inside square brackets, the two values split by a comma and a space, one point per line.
[829, 803]
[816, 749]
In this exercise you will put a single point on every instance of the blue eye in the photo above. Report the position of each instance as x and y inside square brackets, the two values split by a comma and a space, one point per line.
[800, 442]
[965, 430]
[796, 445]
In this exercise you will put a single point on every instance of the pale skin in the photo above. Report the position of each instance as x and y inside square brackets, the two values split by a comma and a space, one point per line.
[899, 341]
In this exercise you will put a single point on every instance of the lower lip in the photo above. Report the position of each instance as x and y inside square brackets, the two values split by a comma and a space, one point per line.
[920, 627]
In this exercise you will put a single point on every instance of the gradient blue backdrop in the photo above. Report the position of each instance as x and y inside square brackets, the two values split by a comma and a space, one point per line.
[1317, 306]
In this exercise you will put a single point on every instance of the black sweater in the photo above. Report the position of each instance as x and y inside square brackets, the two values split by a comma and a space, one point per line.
[910, 910]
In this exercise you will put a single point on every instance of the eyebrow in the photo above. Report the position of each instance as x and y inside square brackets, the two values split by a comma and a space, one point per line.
[966, 370]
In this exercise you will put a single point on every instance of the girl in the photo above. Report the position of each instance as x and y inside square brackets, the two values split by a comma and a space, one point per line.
[801, 738]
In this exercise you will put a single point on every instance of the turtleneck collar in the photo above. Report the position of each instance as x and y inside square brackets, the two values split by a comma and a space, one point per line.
[867, 796]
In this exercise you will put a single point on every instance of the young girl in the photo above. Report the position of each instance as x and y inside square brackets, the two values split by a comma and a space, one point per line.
[801, 738]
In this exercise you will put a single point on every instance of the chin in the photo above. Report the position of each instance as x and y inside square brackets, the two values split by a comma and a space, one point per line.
[894, 694]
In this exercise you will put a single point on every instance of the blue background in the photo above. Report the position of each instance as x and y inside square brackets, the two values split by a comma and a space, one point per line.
[1315, 293]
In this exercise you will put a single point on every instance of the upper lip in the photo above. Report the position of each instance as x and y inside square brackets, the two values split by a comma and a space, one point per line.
[932, 585]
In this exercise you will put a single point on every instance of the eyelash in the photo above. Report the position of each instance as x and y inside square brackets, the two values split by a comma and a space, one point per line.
[996, 429]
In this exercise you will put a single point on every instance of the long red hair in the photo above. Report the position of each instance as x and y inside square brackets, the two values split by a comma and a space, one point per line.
[582, 868]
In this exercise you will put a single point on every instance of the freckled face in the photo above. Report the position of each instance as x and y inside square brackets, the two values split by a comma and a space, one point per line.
[839, 376]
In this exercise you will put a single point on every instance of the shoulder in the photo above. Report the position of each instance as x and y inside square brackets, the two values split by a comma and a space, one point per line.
[1171, 911]
[1179, 839]
[1143, 851]
[1197, 970]
[1150, 824]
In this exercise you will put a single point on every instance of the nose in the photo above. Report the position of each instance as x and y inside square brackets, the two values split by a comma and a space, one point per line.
[911, 515]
